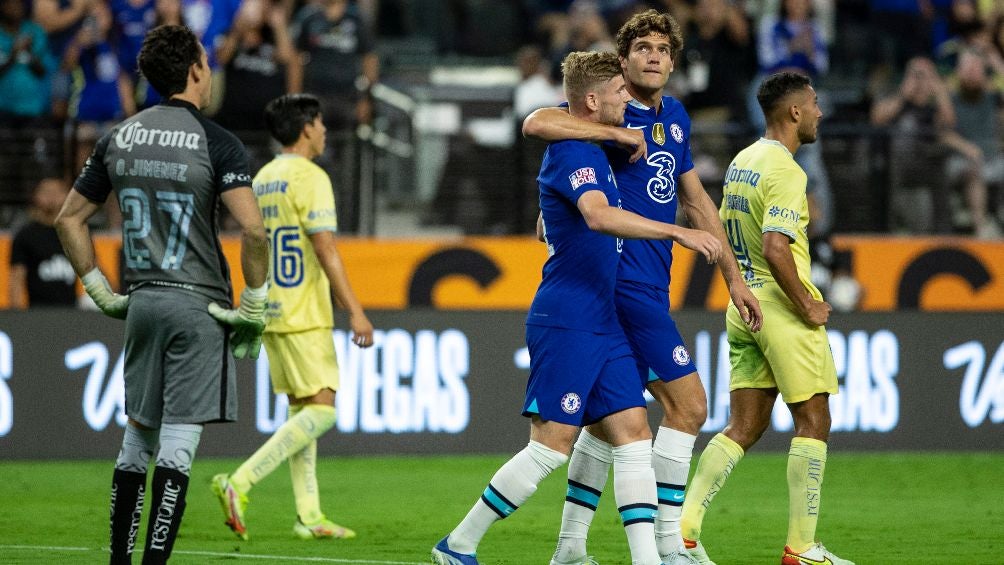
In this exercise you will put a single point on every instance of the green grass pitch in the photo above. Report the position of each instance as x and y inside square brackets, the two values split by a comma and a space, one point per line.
[878, 509]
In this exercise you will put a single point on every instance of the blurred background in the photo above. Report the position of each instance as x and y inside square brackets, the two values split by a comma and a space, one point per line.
[436, 196]
[424, 100]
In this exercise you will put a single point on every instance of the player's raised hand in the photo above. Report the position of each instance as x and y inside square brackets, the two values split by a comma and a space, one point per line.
[97, 287]
[818, 312]
[748, 306]
[362, 330]
[247, 322]
[702, 242]
[632, 141]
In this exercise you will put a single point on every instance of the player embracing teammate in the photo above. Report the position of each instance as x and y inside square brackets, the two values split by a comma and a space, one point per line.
[653, 184]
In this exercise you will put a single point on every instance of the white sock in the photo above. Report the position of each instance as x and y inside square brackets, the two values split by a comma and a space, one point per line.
[511, 486]
[634, 490]
[587, 475]
[671, 455]
[178, 443]
[137, 449]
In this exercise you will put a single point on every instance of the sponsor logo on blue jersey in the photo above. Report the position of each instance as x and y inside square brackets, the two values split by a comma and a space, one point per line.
[662, 185]
[585, 175]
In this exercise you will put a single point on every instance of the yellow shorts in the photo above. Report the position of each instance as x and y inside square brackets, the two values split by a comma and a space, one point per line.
[786, 354]
[302, 363]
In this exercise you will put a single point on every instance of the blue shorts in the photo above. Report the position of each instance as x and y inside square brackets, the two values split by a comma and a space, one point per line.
[643, 311]
[578, 377]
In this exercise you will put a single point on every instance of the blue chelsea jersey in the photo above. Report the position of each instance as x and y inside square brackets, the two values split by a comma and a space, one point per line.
[577, 287]
[648, 187]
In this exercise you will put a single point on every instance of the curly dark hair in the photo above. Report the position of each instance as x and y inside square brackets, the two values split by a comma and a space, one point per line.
[644, 23]
[287, 115]
[777, 87]
[168, 52]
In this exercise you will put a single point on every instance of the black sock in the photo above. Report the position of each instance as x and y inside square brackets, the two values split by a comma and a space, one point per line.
[128, 490]
[169, 488]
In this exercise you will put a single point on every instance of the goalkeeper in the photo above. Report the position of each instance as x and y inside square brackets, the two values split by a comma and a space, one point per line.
[298, 205]
[178, 375]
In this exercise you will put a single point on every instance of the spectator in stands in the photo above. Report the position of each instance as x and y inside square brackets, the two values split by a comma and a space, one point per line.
[716, 62]
[61, 20]
[965, 30]
[340, 67]
[132, 19]
[976, 162]
[535, 88]
[104, 96]
[340, 62]
[210, 20]
[901, 30]
[792, 40]
[918, 116]
[166, 12]
[586, 30]
[40, 274]
[24, 64]
[24, 101]
[260, 63]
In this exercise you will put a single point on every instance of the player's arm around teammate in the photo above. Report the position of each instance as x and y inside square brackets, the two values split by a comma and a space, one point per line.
[554, 124]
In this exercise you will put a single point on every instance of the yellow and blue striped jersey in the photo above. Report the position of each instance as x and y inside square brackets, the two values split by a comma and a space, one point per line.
[296, 200]
[764, 191]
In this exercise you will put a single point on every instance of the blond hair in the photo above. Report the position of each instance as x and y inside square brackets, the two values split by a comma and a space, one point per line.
[585, 70]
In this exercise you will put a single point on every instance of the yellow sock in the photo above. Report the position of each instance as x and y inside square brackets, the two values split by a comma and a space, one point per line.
[806, 461]
[303, 472]
[713, 468]
[306, 425]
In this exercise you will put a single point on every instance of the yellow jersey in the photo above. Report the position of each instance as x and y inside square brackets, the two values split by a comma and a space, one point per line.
[764, 191]
[296, 200]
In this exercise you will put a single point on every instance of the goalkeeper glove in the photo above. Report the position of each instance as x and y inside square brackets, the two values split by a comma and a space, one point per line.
[246, 322]
[97, 287]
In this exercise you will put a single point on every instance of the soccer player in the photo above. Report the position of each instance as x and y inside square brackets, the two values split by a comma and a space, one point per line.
[581, 368]
[766, 214]
[170, 167]
[652, 187]
[298, 204]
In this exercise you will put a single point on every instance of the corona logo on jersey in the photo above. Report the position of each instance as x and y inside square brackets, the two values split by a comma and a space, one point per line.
[135, 134]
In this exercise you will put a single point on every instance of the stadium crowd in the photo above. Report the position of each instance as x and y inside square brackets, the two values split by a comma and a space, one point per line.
[921, 76]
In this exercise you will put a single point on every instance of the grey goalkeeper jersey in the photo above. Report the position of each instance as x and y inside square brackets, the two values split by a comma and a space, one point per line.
[168, 166]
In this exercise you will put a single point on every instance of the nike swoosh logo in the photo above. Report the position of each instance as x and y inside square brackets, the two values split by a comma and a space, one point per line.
[807, 561]
[629, 126]
[678, 496]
